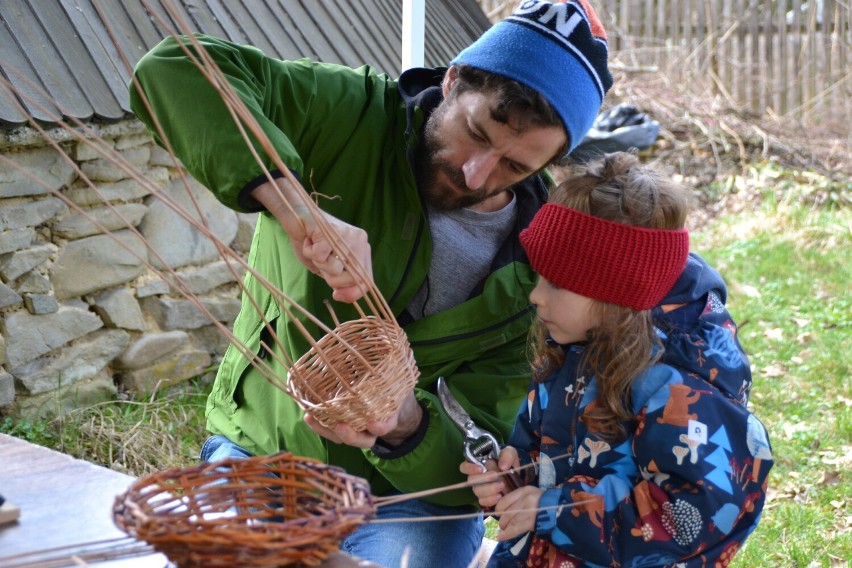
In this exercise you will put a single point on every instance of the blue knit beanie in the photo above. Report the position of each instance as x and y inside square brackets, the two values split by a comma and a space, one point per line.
[558, 49]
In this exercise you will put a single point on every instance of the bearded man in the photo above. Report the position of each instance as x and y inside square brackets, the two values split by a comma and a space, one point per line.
[431, 178]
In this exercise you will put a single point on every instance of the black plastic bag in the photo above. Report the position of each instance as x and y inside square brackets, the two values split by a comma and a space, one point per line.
[618, 129]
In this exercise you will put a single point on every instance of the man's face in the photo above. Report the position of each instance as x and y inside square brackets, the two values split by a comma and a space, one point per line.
[468, 159]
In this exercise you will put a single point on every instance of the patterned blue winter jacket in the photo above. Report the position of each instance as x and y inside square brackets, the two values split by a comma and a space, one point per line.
[688, 484]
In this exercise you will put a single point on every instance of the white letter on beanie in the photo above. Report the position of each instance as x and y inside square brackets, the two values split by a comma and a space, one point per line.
[527, 6]
[564, 27]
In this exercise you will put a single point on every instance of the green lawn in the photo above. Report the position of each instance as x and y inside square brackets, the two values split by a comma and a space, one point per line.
[787, 265]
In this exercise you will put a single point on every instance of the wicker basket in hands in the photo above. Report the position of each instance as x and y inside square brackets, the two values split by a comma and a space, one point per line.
[360, 372]
[261, 511]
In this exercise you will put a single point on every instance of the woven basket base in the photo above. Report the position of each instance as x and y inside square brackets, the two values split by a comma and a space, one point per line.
[261, 511]
[360, 372]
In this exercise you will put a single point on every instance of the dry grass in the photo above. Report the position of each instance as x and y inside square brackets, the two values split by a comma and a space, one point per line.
[714, 147]
[138, 437]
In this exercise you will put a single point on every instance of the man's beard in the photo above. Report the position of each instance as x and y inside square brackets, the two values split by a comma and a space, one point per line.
[427, 166]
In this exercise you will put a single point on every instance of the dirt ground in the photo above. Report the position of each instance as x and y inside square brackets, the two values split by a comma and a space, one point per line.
[703, 141]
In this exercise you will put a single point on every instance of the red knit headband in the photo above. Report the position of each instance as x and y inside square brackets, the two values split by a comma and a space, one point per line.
[603, 260]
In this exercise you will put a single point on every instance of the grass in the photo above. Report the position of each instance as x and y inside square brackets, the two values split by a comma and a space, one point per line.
[134, 437]
[787, 265]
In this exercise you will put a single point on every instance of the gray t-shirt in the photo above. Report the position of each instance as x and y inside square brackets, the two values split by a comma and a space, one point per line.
[464, 243]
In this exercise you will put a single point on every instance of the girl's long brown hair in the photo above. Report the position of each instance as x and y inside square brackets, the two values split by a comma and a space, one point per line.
[616, 188]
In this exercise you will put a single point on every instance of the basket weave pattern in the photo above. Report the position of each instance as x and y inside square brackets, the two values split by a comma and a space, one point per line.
[261, 511]
[360, 372]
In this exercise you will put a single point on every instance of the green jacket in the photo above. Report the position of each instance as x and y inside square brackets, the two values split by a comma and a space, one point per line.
[347, 133]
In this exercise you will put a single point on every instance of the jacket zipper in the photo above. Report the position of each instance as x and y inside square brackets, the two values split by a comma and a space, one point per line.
[408, 264]
[449, 338]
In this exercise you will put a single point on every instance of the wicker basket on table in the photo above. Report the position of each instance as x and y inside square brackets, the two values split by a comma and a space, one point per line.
[360, 372]
[261, 511]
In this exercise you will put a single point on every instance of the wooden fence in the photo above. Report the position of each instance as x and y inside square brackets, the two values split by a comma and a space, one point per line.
[785, 57]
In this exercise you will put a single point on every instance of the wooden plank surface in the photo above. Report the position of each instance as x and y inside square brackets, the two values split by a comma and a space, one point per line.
[63, 501]
[20, 73]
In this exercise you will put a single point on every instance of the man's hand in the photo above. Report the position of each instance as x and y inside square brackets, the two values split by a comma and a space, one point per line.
[288, 204]
[488, 486]
[317, 255]
[393, 430]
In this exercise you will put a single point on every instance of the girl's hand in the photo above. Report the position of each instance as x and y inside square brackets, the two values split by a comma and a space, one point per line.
[517, 512]
[488, 486]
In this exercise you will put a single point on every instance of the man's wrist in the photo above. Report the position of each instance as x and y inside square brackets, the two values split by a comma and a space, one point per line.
[387, 450]
[408, 428]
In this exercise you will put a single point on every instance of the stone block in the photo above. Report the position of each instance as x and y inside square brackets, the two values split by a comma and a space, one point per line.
[13, 265]
[213, 339]
[100, 388]
[94, 221]
[159, 157]
[177, 241]
[38, 304]
[96, 263]
[151, 347]
[16, 239]
[7, 389]
[203, 279]
[172, 370]
[137, 156]
[30, 336]
[171, 313]
[33, 283]
[103, 169]
[132, 140]
[123, 191]
[245, 231]
[46, 164]
[8, 297]
[17, 214]
[86, 150]
[80, 361]
[152, 287]
[119, 308]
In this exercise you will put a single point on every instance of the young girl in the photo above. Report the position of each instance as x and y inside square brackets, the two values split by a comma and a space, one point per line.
[636, 416]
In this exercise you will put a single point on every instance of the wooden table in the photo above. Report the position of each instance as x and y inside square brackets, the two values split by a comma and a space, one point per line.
[66, 502]
[63, 502]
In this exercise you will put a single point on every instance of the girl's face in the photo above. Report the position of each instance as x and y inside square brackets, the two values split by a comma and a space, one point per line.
[567, 316]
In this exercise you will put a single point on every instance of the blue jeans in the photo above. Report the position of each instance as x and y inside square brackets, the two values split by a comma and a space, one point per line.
[218, 448]
[429, 544]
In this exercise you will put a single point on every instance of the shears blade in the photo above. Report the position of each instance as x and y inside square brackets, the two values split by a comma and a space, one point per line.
[479, 445]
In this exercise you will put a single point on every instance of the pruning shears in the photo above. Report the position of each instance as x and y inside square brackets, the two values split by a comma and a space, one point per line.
[479, 445]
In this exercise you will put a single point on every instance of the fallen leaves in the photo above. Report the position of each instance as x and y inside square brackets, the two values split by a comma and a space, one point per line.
[774, 334]
[774, 370]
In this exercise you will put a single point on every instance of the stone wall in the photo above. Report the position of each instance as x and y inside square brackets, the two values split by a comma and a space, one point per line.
[82, 317]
